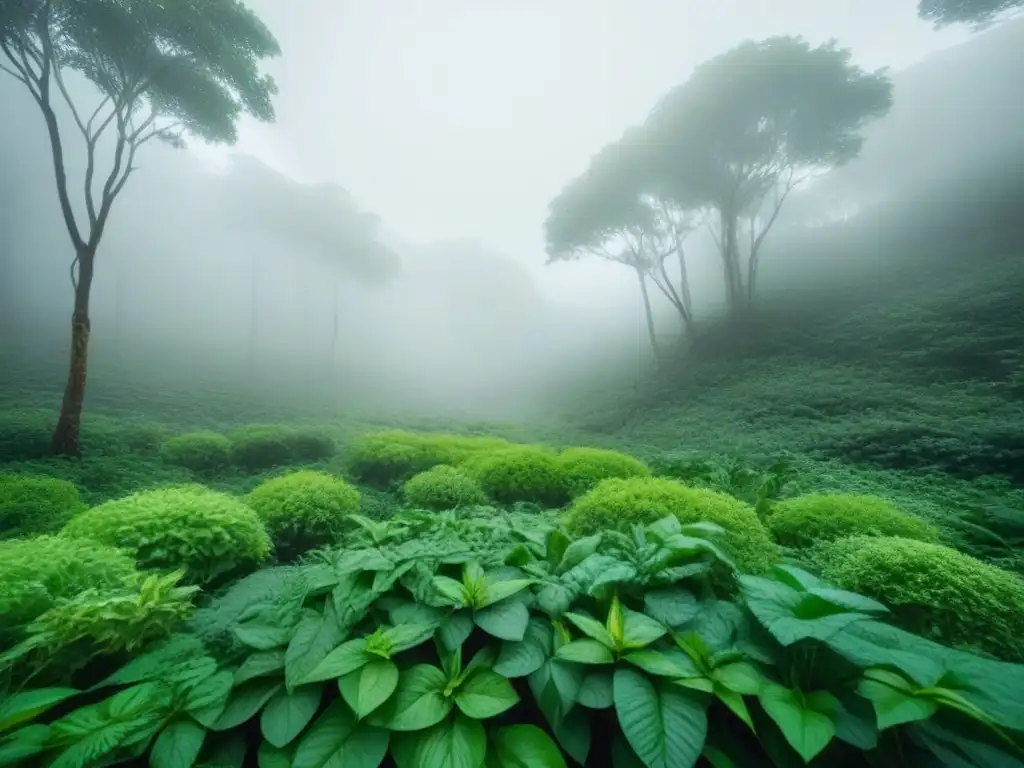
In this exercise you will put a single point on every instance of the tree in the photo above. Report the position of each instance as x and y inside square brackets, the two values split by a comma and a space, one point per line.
[975, 12]
[748, 127]
[616, 211]
[163, 70]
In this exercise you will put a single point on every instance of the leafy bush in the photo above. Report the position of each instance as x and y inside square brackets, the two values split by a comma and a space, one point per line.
[36, 573]
[208, 533]
[443, 487]
[310, 444]
[522, 473]
[618, 504]
[584, 468]
[32, 504]
[261, 447]
[934, 590]
[822, 517]
[203, 451]
[604, 655]
[384, 458]
[106, 436]
[303, 510]
[25, 434]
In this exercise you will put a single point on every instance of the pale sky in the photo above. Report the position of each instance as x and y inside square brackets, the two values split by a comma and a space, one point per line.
[462, 118]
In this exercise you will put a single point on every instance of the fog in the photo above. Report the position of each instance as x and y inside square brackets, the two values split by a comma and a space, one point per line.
[427, 139]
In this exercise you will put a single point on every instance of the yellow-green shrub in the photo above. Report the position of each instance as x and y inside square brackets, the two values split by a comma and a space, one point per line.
[934, 590]
[208, 533]
[202, 451]
[261, 446]
[584, 468]
[35, 573]
[443, 487]
[618, 504]
[303, 510]
[521, 473]
[390, 456]
[34, 504]
[821, 517]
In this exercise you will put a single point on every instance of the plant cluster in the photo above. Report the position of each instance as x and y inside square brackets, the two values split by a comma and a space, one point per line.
[521, 473]
[608, 649]
[443, 487]
[31, 505]
[583, 468]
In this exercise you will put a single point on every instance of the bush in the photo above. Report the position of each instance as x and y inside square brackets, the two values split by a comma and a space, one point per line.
[208, 533]
[384, 458]
[935, 590]
[261, 447]
[106, 436]
[25, 434]
[584, 468]
[522, 473]
[443, 487]
[31, 504]
[311, 444]
[304, 510]
[618, 504]
[822, 517]
[199, 451]
[36, 573]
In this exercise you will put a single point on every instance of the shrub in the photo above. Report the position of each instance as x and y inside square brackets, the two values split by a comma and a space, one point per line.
[303, 510]
[935, 590]
[106, 436]
[208, 533]
[618, 504]
[390, 456]
[443, 487]
[584, 468]
[199, 451]
[522, 473]
[310, 444]
[822, 517]
[261, 447]
[32, 504]
[25, 434]
[36, 573]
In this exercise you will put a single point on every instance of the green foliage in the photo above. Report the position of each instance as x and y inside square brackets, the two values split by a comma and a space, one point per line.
[521, 473]
[311, 444]
[304, 510]
[584, 468]
[261, 447]
[976, 12]
[817, 518]
[31, 505]
[618, 504]
[443, 487]
[36, 573]
[24, 434]
[384, 458]
[934, 590]
[209, 534]
[203, 451]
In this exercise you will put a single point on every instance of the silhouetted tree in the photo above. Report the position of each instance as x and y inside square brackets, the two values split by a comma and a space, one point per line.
[163, 70]
[975, 12]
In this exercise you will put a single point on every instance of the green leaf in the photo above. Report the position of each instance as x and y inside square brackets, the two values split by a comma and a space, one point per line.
[796, 578]
[506, 620]
[574, 735]
[672, 606]
[451, 591]
[618, 573]
[500, 590]
[287, 713]
[663, 663]
[406, 636]
[893, 699]
[178, 745]
[555, 687]
[485, 694]
[666, 729]
[419, 701]
[245, 701]
[270, 756]
[455, 629]
[369, 686]
[314, 639]
[592, 628]
[554, 599]
[346, 658]
[740, 676]
[337, 740]
[263, 637]
[228, 750]
[20, 707]
[260, 664]
[623, 755]
[207, 700]
[456, 742]
[849, 600]
[25, 742]
[717, 758]
[734, 702]
[524, 657]
[807, 720]
[596, 690]
[585, 651]
[525, 746]
[665, 527]
[578, 551]
[640, 630]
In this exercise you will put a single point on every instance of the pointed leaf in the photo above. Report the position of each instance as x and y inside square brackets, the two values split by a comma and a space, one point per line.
[586, 651]
[506, 620]
[337, 740]
[315, 637]
[664, 728]
[523, 657]
[21, 707]
[525, 746]
[344, 659]
[288, 713]
[734, 701]
[663, 663]
[369, 686]
[740, 676]
[640, 630]
[807, 720]
[263, 637]
[451, 591]
[596, 690]
[457, 742]
[500, 590]
[894, 704]
[419, 701]
[592, 628]
[455, 629]
[245, 701]
[406, 636]
[178, 745]
[485, 694]
[260, 664]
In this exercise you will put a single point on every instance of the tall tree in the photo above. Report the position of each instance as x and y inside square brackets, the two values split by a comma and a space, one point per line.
[749, 126]
[163, 70]
[975, 12]
[616, 211]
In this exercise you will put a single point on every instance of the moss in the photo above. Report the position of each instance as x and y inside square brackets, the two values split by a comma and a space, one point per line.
[586, 467]
[935, 591]
[521, 473]
[443, 487]
[822, 517]
[618, 504]
[34, 504]
[203, 451]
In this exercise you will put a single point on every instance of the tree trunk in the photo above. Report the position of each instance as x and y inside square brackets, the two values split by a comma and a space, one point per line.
[66, 437]
[649, 316]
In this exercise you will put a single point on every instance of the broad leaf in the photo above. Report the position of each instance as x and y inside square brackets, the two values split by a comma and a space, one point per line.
[315, 637]
[663, 663]
[336, 739]
[851, 601]
[20, 707]
[288, 713]
[596, 690]
[455, 629]
[485, 694]
[739, 676]
[524, 657]
[178, 745]
[260, 664]
[807, 720]
[640, 630]
[578, 551]
[893, 699]
[586, 651]
[369, 686]
[592, 628]
[734, 702]
[525, 746]
[419, 701]
[245, 701]
[451, 591]
[406, 636]
[555, 687]
[500, 590]
[344, 659]
[270, 756]
[506, 620]
[457, 742]
[666, 729]
[263, 637]
[672, 606]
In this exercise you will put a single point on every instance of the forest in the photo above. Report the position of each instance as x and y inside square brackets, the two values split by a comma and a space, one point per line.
[728, 471]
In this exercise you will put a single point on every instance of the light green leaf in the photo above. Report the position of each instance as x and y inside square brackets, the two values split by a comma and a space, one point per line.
[456, 742]
[499, 590]
[368, 687]
[796, 578]
[245, 701]
[698, 683]
[263, 637]
[451, 591]
[734, 701]
[419, 701]
[455, 629]
[287, 713]
[337, 740]
[485, 694]
[663, 663]
[807, 720]
[506, 620]
[23, 743]
[592, 628]
[260, 664]
[664, 728]
[315, 637]
[525, 746]
[523, 657]
[178, 745]
[640, 630]
[586, 651]
[849, 600]
[596, 690]
[617, 573]
[406, 636]
[578, 551]
[739, 676]
[665, 527]
[894, 702]
[21, 707]
[344, 659]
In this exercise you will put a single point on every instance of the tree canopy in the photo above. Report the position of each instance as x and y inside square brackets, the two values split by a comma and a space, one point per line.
[976, 12]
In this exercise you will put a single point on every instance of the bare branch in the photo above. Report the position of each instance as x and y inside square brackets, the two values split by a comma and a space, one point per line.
[58, 78]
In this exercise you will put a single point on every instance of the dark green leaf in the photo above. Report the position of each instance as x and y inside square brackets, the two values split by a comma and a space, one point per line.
[578, 551]
[406, 636]
[554, 599]
[287, 713]
[227, 750]
[618, 573]
[178, 745]
[456, 742]
[263, 637]
[592, 628]
[525, 746]
[344, 659]
[523, 657]
[315, 637]
[585, 651]
[455, 629]
[670, 663]
[206, 700]
[337, 740]
[596, 690]
[664, 728]
[851, 601]
[672, 606]
[260, 664]
[497, 591]
[485, 694]
[893, 699]
[555, 687]
[245, 701]
[270, 756]
[20, 707]
[506, 620]
[369, 686]
[807, 720]
[640, 630]
[419, 701]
